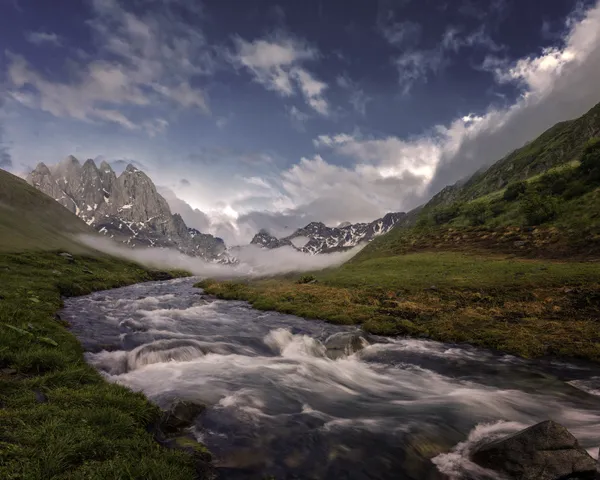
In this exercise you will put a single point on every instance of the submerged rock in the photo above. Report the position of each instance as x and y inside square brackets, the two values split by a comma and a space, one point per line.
[546, 451]
[180, 416]
[180, 350]
[343, 344]
[173, 431]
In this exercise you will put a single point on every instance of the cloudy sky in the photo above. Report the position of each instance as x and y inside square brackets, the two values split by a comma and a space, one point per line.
[266, 113]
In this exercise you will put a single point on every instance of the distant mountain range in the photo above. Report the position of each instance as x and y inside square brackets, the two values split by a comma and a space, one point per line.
[129, 209]
[316, 237]
[126, 208]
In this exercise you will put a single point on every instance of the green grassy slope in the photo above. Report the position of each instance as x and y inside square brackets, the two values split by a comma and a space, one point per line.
[561, 144]
[30, 219]
[554, 214]
[507, 260]
[59, 419]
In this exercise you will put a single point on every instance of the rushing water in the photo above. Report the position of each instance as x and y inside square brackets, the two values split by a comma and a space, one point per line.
[279, 406]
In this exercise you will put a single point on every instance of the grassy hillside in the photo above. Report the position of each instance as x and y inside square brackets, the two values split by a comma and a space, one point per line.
[559, 145]
[508, 260]
[555, 214]
[59, 419]
[30, 219]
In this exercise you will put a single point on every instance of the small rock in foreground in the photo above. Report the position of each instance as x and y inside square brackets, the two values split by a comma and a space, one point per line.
[545, 451]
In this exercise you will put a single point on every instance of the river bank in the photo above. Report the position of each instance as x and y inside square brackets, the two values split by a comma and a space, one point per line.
[59, 418]
[278, 405]
[528, 307]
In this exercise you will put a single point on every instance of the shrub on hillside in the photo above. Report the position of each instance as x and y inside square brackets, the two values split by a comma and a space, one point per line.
[497, 207]
[538, 209]
[554, 183]
[590, 160]
[514, 191]
[443, 215]
[575, 189]
[477, 213]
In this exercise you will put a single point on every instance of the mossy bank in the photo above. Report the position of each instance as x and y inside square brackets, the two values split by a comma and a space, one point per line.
[58, 417]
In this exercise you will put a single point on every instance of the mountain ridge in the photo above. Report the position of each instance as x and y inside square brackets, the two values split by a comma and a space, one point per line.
[324, 239]
[126, 208]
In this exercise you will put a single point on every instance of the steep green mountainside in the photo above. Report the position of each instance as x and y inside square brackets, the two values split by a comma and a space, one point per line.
[30, 219]
[542, 200]
[561, 144]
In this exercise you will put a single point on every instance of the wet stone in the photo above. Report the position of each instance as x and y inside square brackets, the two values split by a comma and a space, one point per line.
[546, 451]
[181, 415]
[344, 344]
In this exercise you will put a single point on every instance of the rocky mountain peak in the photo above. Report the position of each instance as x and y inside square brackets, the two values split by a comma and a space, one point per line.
[127, 208]
[264, 239]
[105, 167]
[315, 226]
[70, 160]
[42, 169]
[90, 164]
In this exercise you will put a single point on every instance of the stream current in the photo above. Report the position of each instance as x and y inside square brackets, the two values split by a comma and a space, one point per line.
[279, 406]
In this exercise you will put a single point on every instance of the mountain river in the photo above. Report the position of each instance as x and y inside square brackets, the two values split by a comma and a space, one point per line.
[279, 407]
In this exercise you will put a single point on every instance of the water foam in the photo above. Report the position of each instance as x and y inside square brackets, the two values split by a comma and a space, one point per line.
[457, 464]
[267, 380]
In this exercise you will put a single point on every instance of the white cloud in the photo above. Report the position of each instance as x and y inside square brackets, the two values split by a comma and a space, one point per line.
[141, 61]
[113, 116]
[535, 73]
[312, 89]
[417, 65]
[558, 84]
[258, 182]
[40, 38]
[388, 157]
[454, 40]
[316, 190]
[253, 260]
[276, 63]
[192, 217]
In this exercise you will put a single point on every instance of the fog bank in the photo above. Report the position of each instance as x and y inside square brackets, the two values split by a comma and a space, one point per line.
[253, 260]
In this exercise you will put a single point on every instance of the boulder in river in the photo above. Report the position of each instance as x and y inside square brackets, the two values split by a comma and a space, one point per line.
[545, 451]
[343, 344]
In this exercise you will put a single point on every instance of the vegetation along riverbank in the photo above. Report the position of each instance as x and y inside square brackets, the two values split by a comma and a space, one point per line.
[506, 260]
